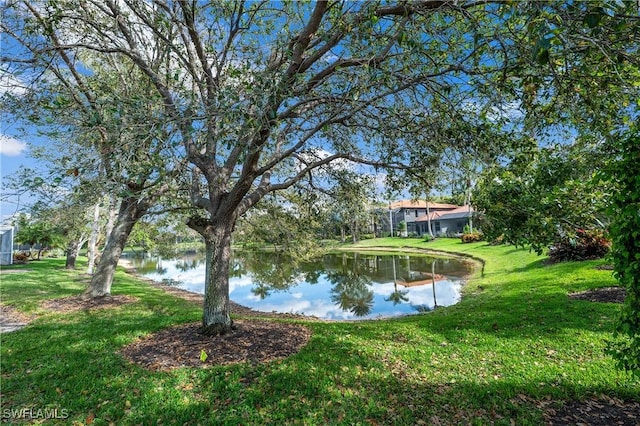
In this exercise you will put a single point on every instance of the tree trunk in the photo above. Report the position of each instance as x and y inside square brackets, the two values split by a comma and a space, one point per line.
[467, 202]
[112, 213]
[93, 239]
[354, 232]
[73, 249]
[131, 210]
[216, 317]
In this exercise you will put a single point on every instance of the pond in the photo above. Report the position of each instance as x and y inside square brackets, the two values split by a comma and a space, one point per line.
[342, 286]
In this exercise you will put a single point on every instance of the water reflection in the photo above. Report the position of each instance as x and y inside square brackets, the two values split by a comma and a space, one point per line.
[337, 286]
[351, 291]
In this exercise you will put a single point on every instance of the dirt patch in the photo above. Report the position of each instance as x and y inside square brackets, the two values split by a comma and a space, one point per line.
[605, 295]
[602, 411]
[78, 303]
[251, 341]
[12, 319]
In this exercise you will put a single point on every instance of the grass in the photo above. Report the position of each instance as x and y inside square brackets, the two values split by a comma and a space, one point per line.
[513, 346]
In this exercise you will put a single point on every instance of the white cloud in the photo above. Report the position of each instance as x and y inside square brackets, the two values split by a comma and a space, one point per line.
[11, 147]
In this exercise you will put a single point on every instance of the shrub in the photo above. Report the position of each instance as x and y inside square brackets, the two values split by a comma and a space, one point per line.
[428, 237]
[20, 258]
[499, 240]
[471, 237]
[367, 236]
[466, 229]
[585, 245]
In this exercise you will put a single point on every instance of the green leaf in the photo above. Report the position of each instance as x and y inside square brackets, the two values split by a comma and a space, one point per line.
[593, 19]
[203, 355]
[543, 56]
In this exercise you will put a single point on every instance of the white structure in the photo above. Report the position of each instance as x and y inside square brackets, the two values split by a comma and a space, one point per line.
[6, 245]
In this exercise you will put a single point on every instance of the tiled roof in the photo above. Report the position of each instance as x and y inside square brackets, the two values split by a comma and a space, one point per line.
[420, 204]
[432, 215]
[461, 209]
[457, 213]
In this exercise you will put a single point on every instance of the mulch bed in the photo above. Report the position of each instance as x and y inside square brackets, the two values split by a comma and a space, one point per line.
[601, 411]
[604, 267]
[252, 341]
[79, 303]
[605, 295]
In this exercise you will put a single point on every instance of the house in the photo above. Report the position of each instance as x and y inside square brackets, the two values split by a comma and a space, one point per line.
[6, 245]
[411, 211]
[447, 222]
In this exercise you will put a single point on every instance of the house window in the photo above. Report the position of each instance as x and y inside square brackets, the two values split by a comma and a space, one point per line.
[437, 226]
[416, 213]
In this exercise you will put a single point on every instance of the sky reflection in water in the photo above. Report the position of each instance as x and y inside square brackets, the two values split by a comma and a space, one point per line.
[344, 286]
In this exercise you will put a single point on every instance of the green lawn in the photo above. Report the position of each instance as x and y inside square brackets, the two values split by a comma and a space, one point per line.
[515, 344]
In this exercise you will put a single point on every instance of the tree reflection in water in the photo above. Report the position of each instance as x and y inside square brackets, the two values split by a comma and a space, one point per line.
[398, 296]
[351, 293]
[345, 285]
[276, 271]
[351, 290]
[187, 264]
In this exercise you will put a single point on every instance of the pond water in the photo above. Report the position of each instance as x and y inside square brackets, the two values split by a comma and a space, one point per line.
[343, 286]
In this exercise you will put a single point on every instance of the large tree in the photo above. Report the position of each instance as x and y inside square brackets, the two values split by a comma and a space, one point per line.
[99, 112]
[623, 169]
[264, 93]
[261, 94]
[546, 198]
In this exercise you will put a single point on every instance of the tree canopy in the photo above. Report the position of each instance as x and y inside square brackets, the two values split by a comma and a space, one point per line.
[545, 198]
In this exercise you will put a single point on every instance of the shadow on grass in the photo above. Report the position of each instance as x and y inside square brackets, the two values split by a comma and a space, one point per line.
[333, 381]
[71, 362]
[536, 264]
[356, 373]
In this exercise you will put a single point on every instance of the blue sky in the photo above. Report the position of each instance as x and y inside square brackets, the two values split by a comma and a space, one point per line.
[14, 155]
[13, 149]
